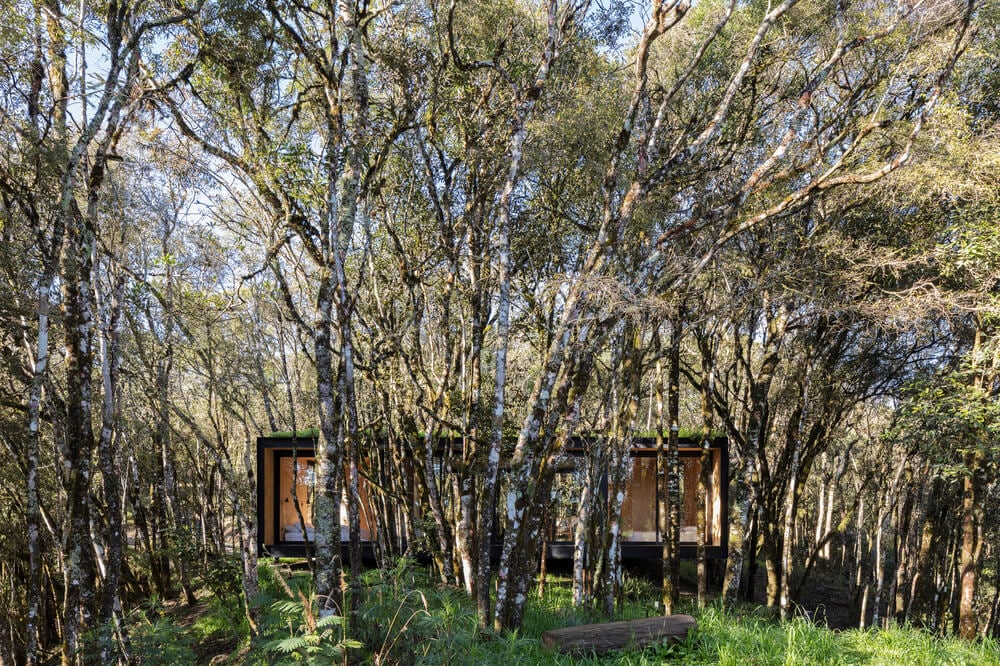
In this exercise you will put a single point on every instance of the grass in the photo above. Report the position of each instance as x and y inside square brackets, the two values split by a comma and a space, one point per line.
[439, 627]
[406, 619]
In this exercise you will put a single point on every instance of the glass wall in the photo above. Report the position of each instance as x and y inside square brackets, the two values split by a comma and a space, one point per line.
[641, 508]
[296, 482]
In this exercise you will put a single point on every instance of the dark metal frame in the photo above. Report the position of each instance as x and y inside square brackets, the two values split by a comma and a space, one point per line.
[307, 449]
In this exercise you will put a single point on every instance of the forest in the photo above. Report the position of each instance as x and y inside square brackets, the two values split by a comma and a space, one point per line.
[456, 248]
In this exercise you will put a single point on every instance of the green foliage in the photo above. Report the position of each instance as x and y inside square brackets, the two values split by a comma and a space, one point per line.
[224, 619]
[690, 434]
[947, 416]
[312, 638]
[292, 628]
[160, 641]
[401, 610]
[309, 433]
[219, 621]
[183, 544]
[222, 576]
[404, 618]
[637, 588]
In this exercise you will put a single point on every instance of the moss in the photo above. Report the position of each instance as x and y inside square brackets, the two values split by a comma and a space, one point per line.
[310, 433]
[683, 433]
[690, 434]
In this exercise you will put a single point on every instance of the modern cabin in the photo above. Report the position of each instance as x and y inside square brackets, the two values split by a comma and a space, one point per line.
[286, 479]
[640, 522]
[286, 489]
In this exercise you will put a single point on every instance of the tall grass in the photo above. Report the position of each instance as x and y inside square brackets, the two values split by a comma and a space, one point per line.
[445, 633]
[405, 618]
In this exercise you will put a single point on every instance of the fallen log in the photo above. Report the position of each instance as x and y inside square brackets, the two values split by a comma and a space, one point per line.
[607, 636]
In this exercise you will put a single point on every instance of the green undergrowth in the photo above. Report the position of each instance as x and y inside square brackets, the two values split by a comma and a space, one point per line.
[406, 618]
[748, 637]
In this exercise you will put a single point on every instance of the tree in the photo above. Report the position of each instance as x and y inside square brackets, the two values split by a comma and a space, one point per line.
[55, 180]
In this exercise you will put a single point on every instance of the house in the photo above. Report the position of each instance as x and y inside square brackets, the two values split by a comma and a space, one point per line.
[286, 477]
[286, 488]
[640, 521]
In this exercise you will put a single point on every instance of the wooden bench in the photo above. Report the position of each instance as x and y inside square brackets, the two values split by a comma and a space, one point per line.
[601, 638]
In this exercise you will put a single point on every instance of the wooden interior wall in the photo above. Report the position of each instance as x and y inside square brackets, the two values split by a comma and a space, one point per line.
[691, 468]
[304, 489]
[639, 507]
[365, 512]
[277, 462]
[716, 497]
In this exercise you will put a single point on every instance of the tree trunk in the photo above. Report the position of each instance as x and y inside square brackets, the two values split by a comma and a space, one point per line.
[773, 549]
[441, 529]
[78, 316]
[668, 469]
[739, 534]
[707, 411]
[972, 520]
[46, 296]
[326, 509]
[110, 606]
[583, 518]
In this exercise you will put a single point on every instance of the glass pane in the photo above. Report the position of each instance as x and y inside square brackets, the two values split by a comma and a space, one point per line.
[690, 471]
[639, 509]
[296, 483]
[567, 489]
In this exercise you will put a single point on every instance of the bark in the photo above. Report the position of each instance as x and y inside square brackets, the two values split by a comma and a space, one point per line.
[441, 526]
[108, 454]
[626, 408]
[612, 227]
[859, 540]
[472, 520]
[773, 549]
[821, 510]
[47, 295]
[831, 496]
[339, 62]
[34, 518]
[758, 426]
[583, 519]
[879, 567]
[739, 534]
[707, 346]
[79, 583]
[248, 546]
[619, 473]
[96, 139]
[330, 457]
[491, 473]
[971, 549]
[673, 489]
[905, 537]
[989, 627]
[547, 524]
[343, 211]
[465, 540]
[791, 500]
[920, 607]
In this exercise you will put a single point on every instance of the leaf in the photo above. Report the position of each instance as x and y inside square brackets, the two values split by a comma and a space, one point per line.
[330, 621]
[291, 644]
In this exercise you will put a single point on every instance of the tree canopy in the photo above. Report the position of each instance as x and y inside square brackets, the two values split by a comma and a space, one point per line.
[444, 240]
